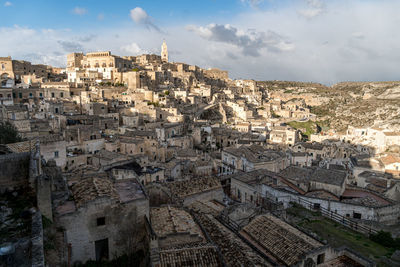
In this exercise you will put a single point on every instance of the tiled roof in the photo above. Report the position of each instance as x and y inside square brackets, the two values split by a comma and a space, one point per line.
[91, 188]
[255, 153]
[315, 174]
[20, 147]
[193, 256]
[169, 220]
[193, 186]
[283, 241]
[342, 261]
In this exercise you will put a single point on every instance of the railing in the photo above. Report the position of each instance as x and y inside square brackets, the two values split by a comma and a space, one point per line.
[345, 221]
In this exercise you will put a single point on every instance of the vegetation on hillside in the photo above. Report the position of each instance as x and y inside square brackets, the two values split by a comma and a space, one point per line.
[9, 134]
[308, 128]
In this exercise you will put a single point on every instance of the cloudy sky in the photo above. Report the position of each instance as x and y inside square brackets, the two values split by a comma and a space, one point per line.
[323, 41]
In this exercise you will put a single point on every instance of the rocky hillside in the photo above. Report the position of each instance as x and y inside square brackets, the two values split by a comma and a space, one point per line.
[348, 103]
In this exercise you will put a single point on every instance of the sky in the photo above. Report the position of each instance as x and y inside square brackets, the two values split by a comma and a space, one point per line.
[325, 41]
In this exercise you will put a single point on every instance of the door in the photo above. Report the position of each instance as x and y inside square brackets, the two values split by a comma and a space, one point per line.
[101, 247]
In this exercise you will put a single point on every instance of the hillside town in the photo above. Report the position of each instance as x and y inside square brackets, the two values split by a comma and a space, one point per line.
[141, 161]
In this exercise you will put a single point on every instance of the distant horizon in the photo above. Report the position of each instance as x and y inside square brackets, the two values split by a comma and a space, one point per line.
[293, 40]
[238, 78]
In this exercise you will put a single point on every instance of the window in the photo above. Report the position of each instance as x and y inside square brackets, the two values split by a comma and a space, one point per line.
[56, 154]
[20, 95]
[320, 258]
[356, 215]
[101, 221]
[61, 94]
[52, 94]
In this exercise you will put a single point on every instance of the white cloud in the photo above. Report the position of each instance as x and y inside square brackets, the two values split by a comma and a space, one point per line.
[79, 11]
[140, 16]
[342, 43]
[6, 4]
[313, 9]
[133, 49]
[251, 42]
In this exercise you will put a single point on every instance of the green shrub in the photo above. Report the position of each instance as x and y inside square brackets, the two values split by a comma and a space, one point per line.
[385, 239]
[9, 134]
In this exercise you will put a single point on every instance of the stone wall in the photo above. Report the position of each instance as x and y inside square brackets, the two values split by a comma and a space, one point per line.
[217, 194]
[37, 240]
[82, 231]
[14, 170]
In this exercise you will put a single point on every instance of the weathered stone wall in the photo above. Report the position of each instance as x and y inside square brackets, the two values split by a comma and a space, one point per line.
[120, 221]
[14, 170]
[217, 194]
[37, 240]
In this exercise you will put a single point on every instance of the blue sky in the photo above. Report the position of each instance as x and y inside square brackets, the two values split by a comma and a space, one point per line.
[60, 14]
[308, 40]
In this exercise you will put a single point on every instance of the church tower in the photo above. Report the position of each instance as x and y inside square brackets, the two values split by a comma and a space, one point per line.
[164, 52]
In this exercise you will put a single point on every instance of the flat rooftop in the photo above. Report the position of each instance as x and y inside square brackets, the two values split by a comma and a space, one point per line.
[89, 189]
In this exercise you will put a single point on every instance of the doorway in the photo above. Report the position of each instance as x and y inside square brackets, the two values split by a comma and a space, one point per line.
[101, 247]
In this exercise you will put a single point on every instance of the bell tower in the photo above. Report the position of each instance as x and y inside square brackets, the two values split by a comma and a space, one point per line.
[164, 52]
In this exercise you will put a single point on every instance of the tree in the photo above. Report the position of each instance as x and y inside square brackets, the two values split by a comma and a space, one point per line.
[131, 237]
[9, 134]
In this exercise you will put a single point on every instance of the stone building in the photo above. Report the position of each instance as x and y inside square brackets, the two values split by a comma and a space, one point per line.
[103, 218]
[6, 98]
[16, 69]
[100, 62]
[248, 158]
[177, 240]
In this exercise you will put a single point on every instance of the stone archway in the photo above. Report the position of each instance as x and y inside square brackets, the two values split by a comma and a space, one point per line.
[4, 76]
